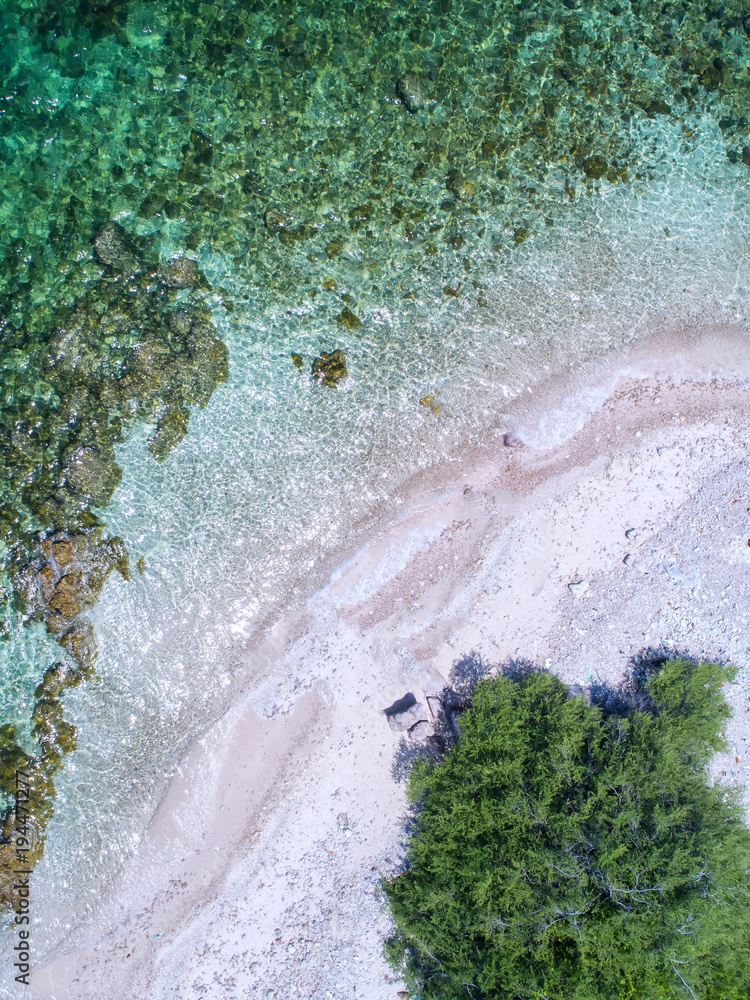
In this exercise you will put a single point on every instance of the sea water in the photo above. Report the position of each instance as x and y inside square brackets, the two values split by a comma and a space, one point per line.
[574, 182]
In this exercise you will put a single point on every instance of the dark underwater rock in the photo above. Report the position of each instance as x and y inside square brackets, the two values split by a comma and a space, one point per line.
[411, 91]
[63, 580]
[348, 319]
[180, 322]
[595, 167]
[182, 272]
[92, 474]
[111, 249]
[458, 186]
[277, 220]
[170, 430]
[330, 367]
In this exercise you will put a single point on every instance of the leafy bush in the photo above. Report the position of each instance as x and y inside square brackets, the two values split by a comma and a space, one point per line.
[565, 853]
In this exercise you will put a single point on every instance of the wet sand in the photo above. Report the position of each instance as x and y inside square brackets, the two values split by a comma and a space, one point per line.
[259, 873]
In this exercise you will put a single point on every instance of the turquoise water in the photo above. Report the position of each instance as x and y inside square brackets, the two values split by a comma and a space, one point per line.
[576, 177]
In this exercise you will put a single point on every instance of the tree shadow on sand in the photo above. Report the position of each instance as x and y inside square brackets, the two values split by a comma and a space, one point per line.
[468, 671]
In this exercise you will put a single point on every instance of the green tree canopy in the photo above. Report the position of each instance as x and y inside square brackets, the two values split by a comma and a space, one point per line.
[562, 852]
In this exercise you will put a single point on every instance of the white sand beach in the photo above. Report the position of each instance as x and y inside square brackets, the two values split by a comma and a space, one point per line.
[259, 873]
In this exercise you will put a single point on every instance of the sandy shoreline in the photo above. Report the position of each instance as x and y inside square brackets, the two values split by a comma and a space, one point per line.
[258, 875]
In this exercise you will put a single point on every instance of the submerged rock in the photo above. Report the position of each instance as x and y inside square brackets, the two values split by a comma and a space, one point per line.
[109, 244]
[69, 349]
[180, 322]
[148, 365]
[111, 249]
[330, 367]
[458, 186]
[411, 91]
[171, 428]
[278, 220]
[179, 273]
[63, 580]
[431, 403]
[348, 319]
[595, 167]
[89, 559]
[92, 475]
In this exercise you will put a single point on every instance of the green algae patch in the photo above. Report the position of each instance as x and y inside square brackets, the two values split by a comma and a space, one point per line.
[36, 773]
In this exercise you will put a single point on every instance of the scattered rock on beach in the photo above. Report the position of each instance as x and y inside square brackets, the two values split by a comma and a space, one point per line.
[578, 588]
[406, 713]
[511, 441]
[595, 167]
[435, 704]
[412, 92]
[421, 731]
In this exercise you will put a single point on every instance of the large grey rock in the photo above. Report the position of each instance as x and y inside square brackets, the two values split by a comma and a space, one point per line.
[400, 722]
[421, 731]
[406, 713]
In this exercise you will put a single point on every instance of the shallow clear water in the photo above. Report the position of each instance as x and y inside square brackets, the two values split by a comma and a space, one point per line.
[477, 242]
